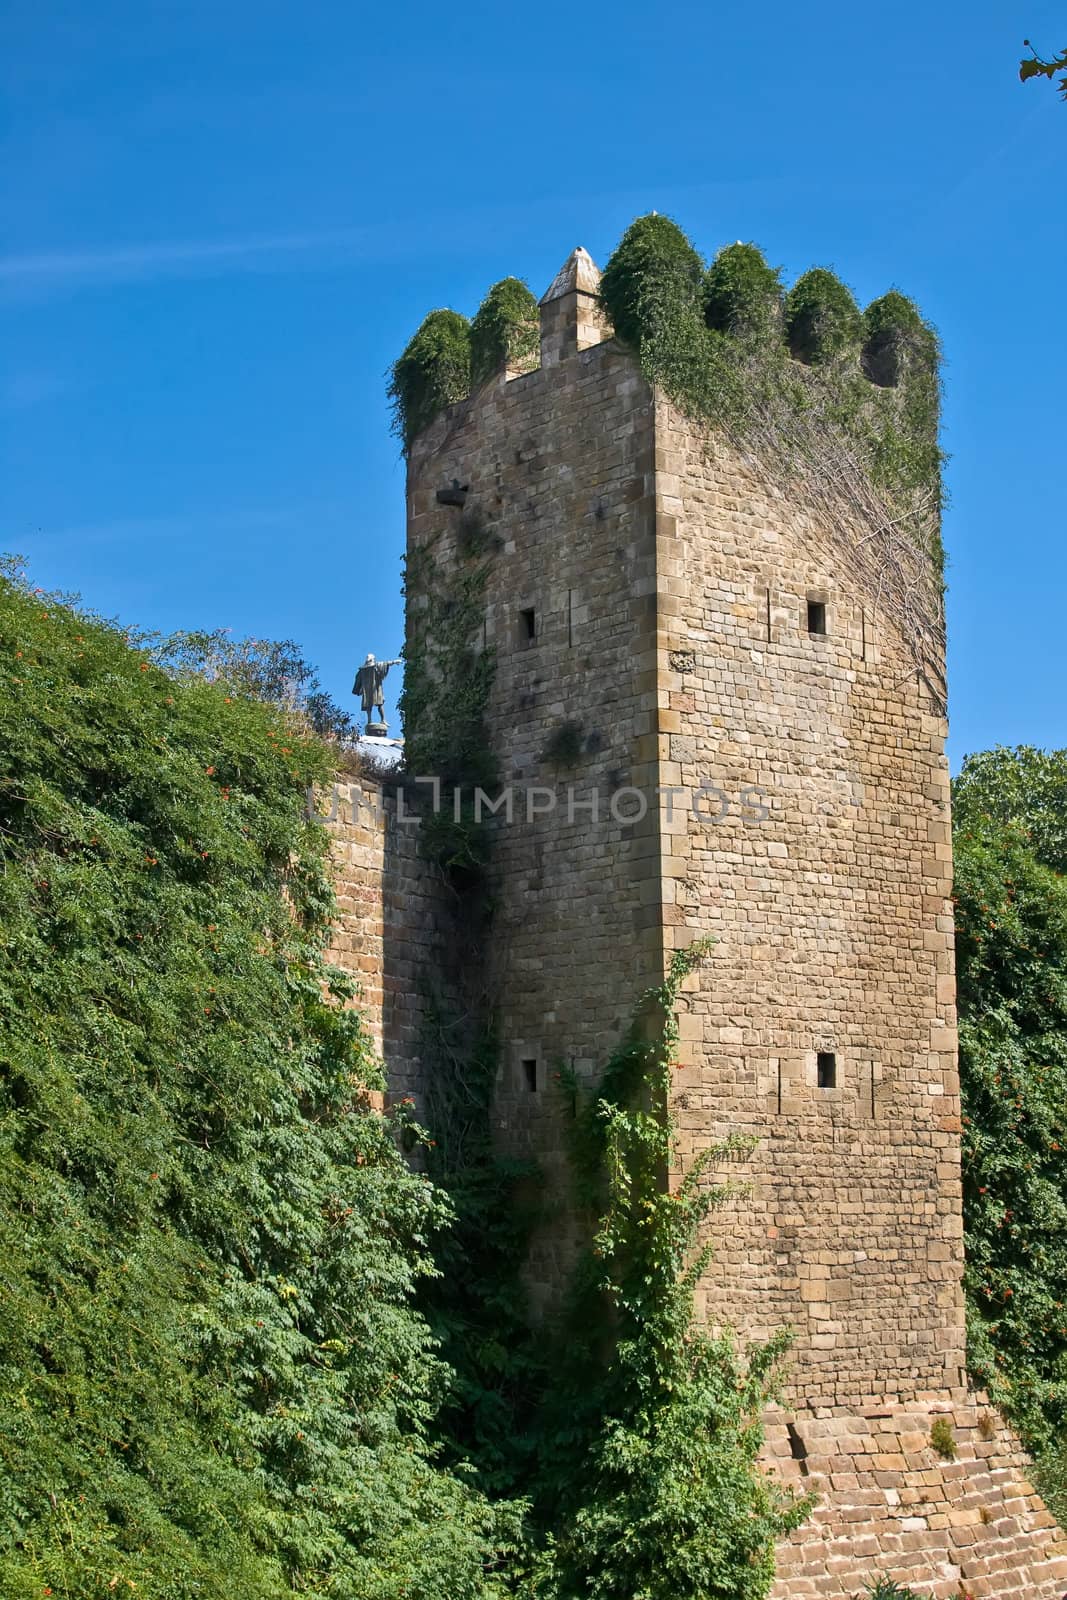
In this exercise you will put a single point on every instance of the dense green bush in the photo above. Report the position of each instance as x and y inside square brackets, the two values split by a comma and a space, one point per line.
[433, 372]
[822, 319]
[902, 355]
[742, 294]
[506, 330]
[895, 336]
[1011, 915]
[653, 280]
[212, 1378]
[1021, 786]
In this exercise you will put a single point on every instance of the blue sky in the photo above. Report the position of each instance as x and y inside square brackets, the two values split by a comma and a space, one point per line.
[222, 221]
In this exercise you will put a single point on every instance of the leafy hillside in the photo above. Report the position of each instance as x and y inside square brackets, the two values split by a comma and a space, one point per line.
[212, 1381]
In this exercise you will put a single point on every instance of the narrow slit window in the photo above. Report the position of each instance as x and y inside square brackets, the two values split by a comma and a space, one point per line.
[826, 1069]
[817, 617]
[529, 1076]
[798, 1449]
[528, 625]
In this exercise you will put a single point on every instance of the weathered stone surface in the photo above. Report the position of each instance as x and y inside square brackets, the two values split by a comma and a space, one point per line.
[827, 915]
[889, 1504]
[390, 924]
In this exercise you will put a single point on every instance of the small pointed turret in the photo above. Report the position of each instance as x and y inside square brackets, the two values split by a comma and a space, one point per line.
[578, 273]
[571, 314]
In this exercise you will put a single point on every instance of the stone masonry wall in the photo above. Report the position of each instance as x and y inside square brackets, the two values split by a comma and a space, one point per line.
[834, 925]
[390, 924]
[559, 465]
[890, 1503]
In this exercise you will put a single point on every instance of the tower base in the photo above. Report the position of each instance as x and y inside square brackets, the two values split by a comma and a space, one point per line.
[889, 1505]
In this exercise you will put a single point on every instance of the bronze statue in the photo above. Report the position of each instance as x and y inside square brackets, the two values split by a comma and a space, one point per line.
[368, 685]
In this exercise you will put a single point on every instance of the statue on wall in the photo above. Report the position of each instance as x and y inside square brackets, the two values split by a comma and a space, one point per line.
[368, 685]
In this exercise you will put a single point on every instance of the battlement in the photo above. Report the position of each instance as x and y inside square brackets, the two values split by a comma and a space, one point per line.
[804, 376]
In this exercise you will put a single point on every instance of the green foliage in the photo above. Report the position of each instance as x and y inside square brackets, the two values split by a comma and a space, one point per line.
[1010, 810]
[506, 331]
[448, 673]
[1021, 786]
[1011, 913]
[476, 1304]
[261, 669]
[742, 294]
[662, 1495]
[943, 1439]
[213, 1378]
[675, 1505]
[653, 279]
[901, 352]
[1050, 1476]
[447, 679]
[653, 289]
[892, 325]
[433, 372]
[822, 319]
[1035, 66]
[886, 1589]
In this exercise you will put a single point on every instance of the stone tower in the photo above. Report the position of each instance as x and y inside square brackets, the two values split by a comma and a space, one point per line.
[711, 725]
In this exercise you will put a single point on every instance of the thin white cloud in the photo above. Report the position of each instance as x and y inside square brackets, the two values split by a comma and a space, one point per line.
[36, 273]
[166, 259]
[186, 530]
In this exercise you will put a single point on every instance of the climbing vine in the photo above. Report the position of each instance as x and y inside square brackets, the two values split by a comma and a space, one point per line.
[654, 1483]
[822, 320]
[476, 1305]
[448, 674]
[636, 1452]
[742, 294]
